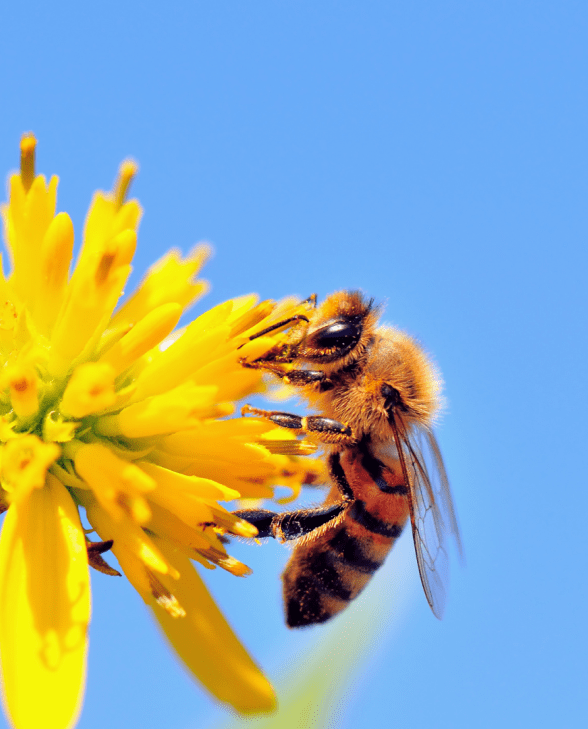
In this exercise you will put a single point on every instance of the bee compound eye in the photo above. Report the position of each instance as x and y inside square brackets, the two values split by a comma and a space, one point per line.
[338, 335]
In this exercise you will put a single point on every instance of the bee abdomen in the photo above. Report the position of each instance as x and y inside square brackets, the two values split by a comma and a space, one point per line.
[303, 602]
[350, 552]
[322, 581]
[374, 524]
[317, 591]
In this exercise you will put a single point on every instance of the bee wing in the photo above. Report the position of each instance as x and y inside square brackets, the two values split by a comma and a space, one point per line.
[431, 510]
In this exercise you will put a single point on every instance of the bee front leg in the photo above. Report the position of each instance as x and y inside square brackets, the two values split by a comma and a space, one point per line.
[325, 430]
[279, 325]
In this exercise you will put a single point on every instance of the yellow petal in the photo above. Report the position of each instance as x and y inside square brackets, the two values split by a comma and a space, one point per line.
[27, 218]
[90, 299]
[44, 609]
[57, 428]
[202, 488]
[25, 460]
[55, 255]
[243, 477]
[144, 335]
[171, 279]
[106, 219]
[180, 359]
[174, 410]
[22, 382]
[129, 539]
[178, 532]
[117, 484]
[89, 390]
[252, 316]
[208, 646]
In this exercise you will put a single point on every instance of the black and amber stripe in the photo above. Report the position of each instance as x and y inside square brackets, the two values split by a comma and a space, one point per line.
[326, 573]
[322, 581]
[360, 514]
[317, 588]
[350, 551]
[375, 469]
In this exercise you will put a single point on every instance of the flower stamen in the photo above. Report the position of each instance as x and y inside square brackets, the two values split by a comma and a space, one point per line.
[126, 173]
[28, 144]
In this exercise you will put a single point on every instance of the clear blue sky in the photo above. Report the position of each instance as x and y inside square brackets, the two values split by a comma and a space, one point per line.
[430, 153]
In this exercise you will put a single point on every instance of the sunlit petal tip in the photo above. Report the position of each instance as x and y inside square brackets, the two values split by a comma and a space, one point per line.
[200, 254]
[165, 599]
[243, 528]
[232, 565]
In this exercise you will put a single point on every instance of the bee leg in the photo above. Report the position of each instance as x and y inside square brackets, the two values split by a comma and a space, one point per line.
[326, 430]
[291, 524]
[284, 322]
[269, 366]
[294, 524]
[279, 325]
[339, 478]
[260, 518]
[298, 378]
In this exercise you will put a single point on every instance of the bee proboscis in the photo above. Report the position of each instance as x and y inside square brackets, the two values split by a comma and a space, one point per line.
[376, 394]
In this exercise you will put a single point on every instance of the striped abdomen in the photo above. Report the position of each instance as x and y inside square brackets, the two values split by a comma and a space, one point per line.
[332, 565]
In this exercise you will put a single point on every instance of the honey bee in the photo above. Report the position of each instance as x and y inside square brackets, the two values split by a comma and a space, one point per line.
[376, 393]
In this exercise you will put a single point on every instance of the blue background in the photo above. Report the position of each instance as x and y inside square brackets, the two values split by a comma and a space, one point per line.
[432, 154]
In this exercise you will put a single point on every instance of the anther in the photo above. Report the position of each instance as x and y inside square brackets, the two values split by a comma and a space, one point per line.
[27, 160]
[126, 173]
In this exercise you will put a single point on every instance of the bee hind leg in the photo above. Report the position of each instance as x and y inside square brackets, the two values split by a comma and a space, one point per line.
[291, 524]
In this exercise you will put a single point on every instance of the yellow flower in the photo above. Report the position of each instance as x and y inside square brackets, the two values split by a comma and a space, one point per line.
[103, 423]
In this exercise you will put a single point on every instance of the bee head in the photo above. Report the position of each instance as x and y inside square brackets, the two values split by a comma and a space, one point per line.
[340, 330]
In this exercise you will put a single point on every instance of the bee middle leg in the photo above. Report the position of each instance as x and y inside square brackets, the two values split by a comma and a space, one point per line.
[297, 378]
[325, 430]
[291, 524]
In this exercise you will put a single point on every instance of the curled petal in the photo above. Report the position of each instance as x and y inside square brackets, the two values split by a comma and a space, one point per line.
[208, 646]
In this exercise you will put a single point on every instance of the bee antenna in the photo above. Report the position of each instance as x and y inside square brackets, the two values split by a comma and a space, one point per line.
[312, 299]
